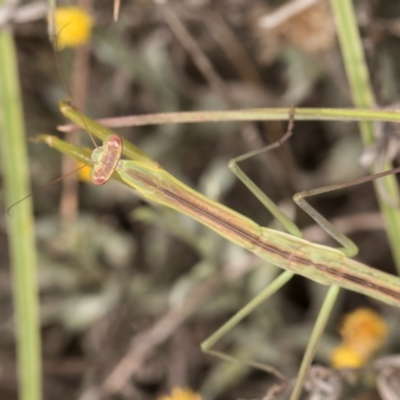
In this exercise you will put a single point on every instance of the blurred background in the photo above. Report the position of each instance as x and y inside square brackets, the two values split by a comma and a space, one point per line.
[129, 290]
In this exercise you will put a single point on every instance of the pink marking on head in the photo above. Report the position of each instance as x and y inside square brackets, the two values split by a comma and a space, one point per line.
[98, 180]
[115, 140]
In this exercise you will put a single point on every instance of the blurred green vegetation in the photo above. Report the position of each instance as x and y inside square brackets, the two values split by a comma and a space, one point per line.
[131, 268]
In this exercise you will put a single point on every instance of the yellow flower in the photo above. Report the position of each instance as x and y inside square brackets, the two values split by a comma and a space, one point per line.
[344, 356]
[181, 394]
[84, 172]
[73, 25]
[364, 330]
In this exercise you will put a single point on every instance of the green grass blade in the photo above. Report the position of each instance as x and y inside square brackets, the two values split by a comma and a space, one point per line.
[51, 29]
[20, 225]
[315, 337]
[361, 90]
[254, 114]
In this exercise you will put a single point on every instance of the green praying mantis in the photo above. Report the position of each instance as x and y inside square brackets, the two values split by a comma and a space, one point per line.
[323, 264]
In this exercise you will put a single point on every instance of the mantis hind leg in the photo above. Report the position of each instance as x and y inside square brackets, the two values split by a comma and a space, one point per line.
[208, 344]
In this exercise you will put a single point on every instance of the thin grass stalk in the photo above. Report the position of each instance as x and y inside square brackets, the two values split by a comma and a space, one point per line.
[255, 114]
[315, 337]
[362, 94]
[20, 224]
[51, 30]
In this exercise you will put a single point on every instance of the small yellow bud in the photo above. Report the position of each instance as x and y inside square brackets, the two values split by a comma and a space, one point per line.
[364, 330]
[74, 26]
[182, 394]
[344, 356]
[84, 172]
